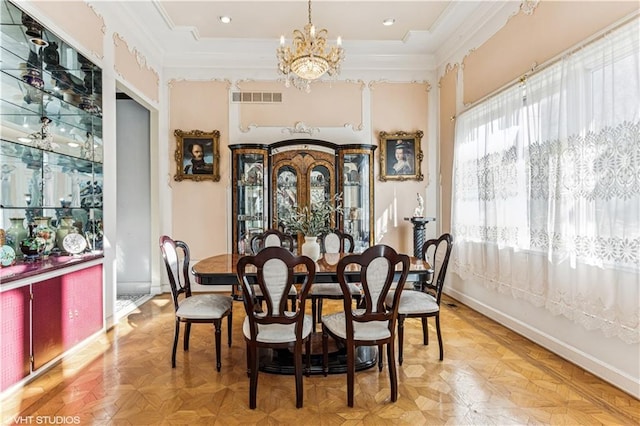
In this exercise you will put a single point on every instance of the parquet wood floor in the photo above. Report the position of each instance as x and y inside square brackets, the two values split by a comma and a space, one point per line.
[490, 376]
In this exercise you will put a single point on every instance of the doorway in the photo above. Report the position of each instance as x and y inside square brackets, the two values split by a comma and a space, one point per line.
[133, 237]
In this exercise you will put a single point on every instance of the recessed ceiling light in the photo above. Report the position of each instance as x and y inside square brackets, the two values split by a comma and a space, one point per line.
[388, 22]
[225, 19]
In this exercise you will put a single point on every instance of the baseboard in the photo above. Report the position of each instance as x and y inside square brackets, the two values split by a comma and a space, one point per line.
[602, 370]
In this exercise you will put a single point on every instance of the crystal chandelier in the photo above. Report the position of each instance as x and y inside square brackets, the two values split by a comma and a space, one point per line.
[308, 59]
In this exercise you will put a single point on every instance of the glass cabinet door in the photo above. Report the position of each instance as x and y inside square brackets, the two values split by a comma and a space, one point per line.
[320, 185]
[357, 196]
[249, 201]
[286, 192]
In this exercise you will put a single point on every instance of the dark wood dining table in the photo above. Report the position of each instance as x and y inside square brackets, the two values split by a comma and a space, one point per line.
[221, 270]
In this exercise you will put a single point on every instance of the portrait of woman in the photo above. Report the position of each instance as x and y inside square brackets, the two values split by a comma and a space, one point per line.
[402, 160]
[400, 156]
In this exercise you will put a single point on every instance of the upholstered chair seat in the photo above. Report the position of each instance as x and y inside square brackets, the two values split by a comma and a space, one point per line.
[278, 333]
[204, 306]
[415, 302]
[370, 330]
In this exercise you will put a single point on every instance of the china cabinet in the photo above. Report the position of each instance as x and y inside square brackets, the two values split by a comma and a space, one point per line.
[51, 180]
[269, 180]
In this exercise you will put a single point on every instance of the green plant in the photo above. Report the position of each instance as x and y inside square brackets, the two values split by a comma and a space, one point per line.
[315, 220]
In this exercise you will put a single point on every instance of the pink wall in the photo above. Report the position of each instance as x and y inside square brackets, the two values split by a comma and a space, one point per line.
[398, 107]
[447, 130]
[203, 106]
[67, 15]
[330, 104]
[526, 40]
[131, 66]
[200, 214]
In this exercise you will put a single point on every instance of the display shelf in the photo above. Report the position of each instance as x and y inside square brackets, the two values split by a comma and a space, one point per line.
[51, 146]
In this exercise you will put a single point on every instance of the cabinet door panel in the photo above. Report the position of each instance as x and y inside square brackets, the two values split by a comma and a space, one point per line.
[249, 197]
[83, 290]
[14, 334]
[49, 321]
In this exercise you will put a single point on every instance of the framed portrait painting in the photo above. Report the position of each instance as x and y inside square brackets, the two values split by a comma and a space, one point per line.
[197, 155]
[401, 156]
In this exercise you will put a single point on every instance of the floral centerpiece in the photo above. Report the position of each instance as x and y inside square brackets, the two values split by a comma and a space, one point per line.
[313, 221]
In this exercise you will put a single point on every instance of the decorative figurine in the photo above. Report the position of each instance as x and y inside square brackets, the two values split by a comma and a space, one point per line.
[43, 139]
[420, 209]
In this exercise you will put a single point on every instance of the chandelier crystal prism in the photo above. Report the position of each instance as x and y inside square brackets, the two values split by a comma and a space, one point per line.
[308, 58]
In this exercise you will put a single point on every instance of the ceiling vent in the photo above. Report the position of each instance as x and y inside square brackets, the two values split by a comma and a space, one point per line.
[256, 97]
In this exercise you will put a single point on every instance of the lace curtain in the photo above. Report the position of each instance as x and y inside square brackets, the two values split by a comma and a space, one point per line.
[546, 187]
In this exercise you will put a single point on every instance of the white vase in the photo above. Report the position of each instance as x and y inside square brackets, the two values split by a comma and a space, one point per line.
[311, 248]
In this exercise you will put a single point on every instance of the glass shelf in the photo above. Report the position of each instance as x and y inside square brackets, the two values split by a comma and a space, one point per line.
[51, 145]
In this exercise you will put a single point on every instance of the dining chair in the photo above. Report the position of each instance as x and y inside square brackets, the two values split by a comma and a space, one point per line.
[374, 322]
[273, 238]
[275, 326]
[190, 308]
[332, 242]
[425, 303]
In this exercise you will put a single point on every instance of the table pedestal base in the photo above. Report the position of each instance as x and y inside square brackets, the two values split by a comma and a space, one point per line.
[280, 361]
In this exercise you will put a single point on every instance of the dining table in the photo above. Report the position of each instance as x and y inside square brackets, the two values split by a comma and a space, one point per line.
[220, 270]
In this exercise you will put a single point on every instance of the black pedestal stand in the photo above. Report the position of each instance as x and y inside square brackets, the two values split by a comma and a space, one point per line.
[418, 233]
[419, 224]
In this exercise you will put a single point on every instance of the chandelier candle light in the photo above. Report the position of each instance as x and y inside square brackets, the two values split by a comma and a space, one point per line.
[308, 58]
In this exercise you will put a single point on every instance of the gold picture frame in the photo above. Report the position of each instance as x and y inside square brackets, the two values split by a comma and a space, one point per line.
[401, 156]
[197, 155]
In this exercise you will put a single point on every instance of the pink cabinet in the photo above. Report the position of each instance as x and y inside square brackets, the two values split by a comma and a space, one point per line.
[43, 319]
[66, 310]
[15, 331]
[47, 321]
[82, 298]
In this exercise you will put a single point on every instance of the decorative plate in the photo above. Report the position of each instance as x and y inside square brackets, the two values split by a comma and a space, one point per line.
[7, 255]
[74, 243]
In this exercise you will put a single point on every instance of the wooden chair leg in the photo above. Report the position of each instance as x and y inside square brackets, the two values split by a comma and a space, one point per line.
[314, 314]
[425, 331]
[176, 336]
[253, 376]
[308, 351]
[380, 348]
[400, 338]
[393, 376]
[187, 333]
[229, 327]
[351, 372]
[325, 352]
[218, 334]
[439, 337]
[320, 300]
[297, 366]
[248, 361]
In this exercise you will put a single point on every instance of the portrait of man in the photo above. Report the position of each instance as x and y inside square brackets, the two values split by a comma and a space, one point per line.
[197, 155]
[197, 160]
[400, 161]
